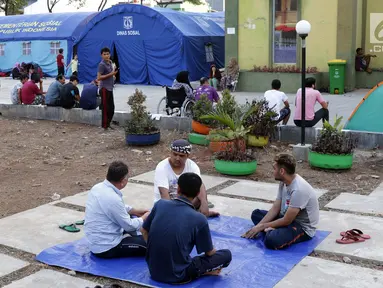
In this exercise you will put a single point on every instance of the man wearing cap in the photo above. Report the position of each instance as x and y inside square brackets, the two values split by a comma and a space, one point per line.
[169, 170]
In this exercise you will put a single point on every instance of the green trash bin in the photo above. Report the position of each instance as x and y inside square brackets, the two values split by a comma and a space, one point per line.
[337, 69]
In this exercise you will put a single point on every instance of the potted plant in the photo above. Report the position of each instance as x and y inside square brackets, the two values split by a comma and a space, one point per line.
[231, 157]
[140, 128]
[202, 107]
[334, 148]
[261, 123]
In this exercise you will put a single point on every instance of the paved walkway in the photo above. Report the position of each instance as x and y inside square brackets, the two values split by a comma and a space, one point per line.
[36, 229]
[342, 105]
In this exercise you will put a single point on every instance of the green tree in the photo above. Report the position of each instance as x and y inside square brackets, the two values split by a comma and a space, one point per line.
[12, 7]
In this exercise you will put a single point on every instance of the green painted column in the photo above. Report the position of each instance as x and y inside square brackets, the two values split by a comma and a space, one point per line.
[231, 21]
[346, 38]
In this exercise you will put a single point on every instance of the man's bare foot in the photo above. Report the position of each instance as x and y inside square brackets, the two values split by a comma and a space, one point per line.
[214, 273]
[213, 214]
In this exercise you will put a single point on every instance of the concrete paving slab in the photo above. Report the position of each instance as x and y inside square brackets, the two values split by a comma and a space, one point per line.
[135, 195]
[236, 207]
[358, 203]
[36, 229]
[209, 181]
[337, 222]
[378, 191]
[48, 279]
[317, 273]
[259, 190]
[9, 264]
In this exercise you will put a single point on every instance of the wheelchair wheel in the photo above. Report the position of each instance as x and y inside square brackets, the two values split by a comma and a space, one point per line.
[161, 108]
[187, 110]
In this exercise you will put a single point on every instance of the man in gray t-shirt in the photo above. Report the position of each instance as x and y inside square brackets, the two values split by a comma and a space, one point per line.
[105, 74]
[294, 216]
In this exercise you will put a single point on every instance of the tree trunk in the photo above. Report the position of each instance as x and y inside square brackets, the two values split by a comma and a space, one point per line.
[102, 5]
[49, 7]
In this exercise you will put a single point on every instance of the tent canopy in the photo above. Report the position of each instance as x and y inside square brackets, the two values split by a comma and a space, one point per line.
[181, 23]
[367, 115]
[50, 26]
[152, 45]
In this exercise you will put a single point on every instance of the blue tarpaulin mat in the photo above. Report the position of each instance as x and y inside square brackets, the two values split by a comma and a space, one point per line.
[253, 265]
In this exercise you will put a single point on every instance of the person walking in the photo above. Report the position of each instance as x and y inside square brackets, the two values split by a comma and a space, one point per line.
[60, 62]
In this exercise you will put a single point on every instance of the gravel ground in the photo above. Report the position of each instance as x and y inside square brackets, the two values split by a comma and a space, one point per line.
[41, 158]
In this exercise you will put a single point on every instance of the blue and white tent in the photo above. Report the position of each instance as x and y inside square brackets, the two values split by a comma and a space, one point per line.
[152, 45]
[37, 38]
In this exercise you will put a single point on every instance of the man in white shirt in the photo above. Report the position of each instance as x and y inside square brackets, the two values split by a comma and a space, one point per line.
[108, 220]
[169, 170]
[279, 102]
[16, 90]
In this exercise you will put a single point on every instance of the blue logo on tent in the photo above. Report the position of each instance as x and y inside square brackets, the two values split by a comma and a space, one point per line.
[128, 22]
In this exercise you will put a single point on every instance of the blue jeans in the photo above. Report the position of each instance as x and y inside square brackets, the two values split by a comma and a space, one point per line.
[282, 237]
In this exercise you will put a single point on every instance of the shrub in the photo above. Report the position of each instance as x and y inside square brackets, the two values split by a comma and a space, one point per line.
[202, 107]
[141, 121]
[261, 121]
[283, 69]
[332, 140]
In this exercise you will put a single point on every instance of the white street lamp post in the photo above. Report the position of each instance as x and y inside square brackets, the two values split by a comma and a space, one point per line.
[303, 29]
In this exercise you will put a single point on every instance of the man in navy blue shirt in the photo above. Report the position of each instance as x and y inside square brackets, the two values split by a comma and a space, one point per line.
[89, 96]
[172, 230]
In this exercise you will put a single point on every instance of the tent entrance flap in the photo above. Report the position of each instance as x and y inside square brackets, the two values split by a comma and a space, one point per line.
[133, 62]
[116, 63]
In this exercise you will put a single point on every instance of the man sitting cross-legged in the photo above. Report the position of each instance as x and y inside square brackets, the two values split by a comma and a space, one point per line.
[294, 215]
[169, 170]
[107, 218]
[172, 230]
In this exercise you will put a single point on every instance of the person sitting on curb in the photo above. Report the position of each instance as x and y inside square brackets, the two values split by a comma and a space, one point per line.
[69, 94]
[108, 219]
[312, 96]
[206, 89]
[16, 90]
[172, 230]
[90, 98]
[30, 93]
[279, 102]
[294, 216]
[169, 170]
[52, 98]
[362, 61]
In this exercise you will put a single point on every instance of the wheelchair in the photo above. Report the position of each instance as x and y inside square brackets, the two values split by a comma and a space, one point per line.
[175, 103]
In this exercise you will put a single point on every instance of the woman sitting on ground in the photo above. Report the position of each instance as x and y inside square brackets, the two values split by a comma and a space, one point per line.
[231, 74]
[182, 80]
[214, 77]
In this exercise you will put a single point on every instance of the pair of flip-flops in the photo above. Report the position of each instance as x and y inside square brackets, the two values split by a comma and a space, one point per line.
[72, 227]
[352, 236]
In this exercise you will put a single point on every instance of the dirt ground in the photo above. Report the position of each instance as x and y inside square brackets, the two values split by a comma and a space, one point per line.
[41, 158]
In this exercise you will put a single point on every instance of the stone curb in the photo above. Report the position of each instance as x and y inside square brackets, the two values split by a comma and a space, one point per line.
[289, 134]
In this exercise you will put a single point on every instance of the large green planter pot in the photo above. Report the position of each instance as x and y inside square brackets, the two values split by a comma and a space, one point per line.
[198, 139]
[328, 161]
[235, 168]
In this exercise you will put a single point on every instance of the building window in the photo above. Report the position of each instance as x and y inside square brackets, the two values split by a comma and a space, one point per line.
[2, 49]
[27, 48]
[55, 47]
[285, 16]
[209, 53]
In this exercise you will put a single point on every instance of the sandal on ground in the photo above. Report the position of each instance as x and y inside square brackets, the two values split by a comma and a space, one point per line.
[357, 233]
[82, 222]
[70, 228]
[349, 238]
[210, 205]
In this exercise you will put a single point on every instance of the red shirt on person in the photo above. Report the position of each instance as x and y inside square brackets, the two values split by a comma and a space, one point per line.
[60, 58]
[29, 92]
